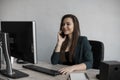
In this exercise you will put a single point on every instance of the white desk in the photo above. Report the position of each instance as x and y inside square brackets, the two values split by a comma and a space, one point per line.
[33, 75]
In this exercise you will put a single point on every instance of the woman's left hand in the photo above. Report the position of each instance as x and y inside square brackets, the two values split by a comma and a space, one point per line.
[66, 70]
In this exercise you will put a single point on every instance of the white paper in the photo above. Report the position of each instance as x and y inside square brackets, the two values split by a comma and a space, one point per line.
[78, 76]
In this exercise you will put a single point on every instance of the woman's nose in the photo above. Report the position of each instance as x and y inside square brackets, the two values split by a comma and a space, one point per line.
[65, 26]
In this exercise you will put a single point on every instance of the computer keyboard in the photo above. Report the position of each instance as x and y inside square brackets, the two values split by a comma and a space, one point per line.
[42, 70]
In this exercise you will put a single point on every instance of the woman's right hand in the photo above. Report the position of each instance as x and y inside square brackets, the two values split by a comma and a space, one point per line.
[60, 39]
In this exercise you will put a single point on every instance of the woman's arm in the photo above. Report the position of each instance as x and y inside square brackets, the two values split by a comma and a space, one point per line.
[87, 52]
[56, 54]
[55, 58]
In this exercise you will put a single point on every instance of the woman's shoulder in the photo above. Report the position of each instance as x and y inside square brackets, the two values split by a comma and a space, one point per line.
[82, 37]
[83, 40]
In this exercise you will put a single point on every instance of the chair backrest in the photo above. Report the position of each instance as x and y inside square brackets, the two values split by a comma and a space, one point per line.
[98, 53]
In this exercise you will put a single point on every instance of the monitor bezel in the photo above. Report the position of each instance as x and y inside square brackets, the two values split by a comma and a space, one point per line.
[34, 39]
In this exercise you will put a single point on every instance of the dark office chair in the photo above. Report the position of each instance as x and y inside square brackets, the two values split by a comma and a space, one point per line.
[98, 53]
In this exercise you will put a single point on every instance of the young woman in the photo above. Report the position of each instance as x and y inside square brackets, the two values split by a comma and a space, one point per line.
[72, 49]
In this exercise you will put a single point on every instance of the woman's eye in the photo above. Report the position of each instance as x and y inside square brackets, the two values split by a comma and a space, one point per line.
[68, 23]
[65, 24]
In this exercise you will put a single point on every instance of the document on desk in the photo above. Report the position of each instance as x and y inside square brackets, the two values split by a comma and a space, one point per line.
[78, 76]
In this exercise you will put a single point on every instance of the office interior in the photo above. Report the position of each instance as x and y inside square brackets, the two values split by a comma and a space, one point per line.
[99, 20]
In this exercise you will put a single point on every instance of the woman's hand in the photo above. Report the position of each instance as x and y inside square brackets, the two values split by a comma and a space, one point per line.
[67, 70]
[60, 38]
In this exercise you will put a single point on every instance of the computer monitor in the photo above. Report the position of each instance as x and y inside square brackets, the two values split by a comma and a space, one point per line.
[22, 39]
[18, 41]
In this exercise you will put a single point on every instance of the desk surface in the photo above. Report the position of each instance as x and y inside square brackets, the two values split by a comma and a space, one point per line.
[33, 75]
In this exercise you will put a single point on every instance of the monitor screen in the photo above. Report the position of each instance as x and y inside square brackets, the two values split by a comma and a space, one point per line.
[22, 39]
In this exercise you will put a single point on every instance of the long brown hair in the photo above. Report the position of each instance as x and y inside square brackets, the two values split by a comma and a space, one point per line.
[75, 35]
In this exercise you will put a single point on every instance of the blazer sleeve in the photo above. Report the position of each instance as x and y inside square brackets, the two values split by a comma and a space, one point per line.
[87, 53]
[55, 58]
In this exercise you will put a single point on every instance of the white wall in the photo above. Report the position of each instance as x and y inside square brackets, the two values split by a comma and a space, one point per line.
[99, 20]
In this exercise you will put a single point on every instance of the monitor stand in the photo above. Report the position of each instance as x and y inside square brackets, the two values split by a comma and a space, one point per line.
[9, 72]
[15, 74]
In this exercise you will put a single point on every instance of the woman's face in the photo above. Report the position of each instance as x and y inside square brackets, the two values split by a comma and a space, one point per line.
[68, 26]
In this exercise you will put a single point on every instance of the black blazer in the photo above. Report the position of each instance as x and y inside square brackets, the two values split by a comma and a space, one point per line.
[83, 53]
